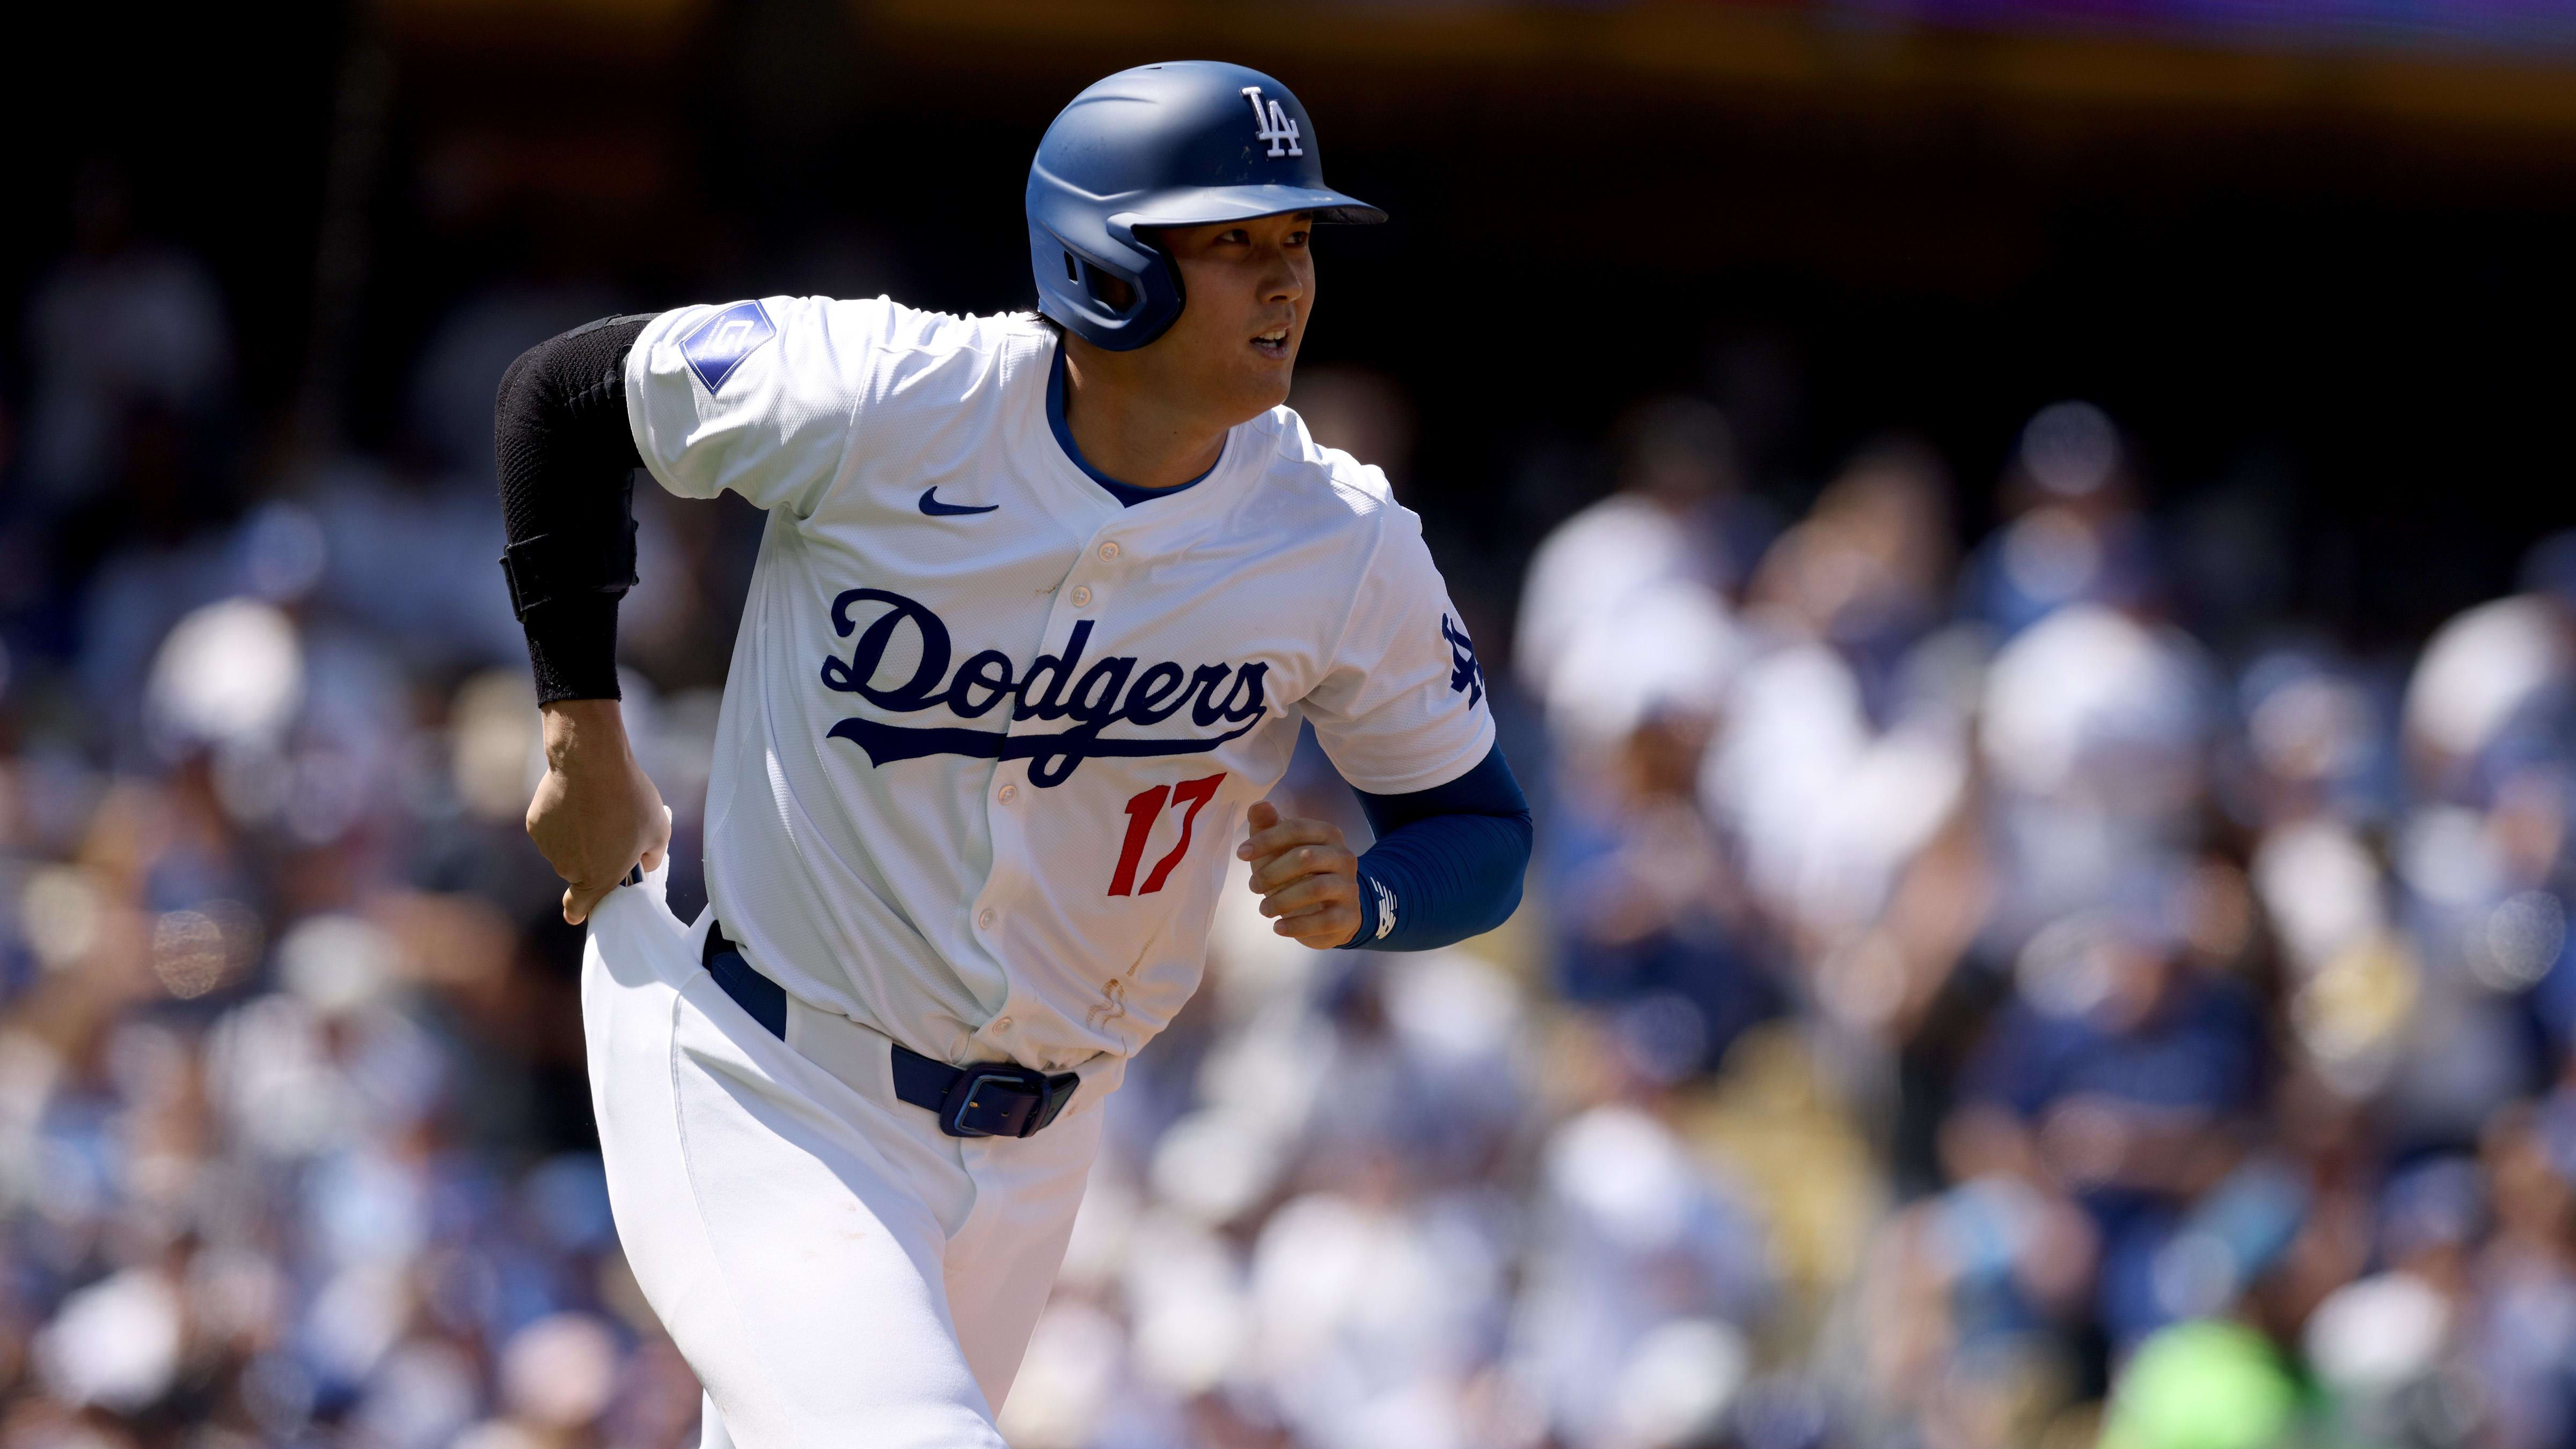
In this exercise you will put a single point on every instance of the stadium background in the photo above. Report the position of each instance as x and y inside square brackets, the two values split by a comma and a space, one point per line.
[2050, 924]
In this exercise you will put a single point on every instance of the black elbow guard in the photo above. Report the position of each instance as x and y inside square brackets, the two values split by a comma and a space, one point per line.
[566, 462]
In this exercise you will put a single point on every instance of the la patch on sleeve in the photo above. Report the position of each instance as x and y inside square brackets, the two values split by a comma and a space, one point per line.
[1465, 674]
[715, 348]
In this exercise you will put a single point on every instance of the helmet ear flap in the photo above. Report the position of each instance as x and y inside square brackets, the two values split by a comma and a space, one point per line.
[1119, 295]
[1105, 304]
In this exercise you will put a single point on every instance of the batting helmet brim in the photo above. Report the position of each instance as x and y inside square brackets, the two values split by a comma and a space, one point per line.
[1207, 205]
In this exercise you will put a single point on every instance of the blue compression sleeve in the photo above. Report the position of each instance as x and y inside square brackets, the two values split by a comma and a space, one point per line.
[1448, 860]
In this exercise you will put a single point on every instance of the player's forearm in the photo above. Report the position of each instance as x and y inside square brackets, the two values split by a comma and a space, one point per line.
[1448, 862]
[566, 460]
[596, 816]
[584, 734]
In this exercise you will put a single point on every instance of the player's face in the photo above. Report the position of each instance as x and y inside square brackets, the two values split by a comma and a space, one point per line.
[1249, 287]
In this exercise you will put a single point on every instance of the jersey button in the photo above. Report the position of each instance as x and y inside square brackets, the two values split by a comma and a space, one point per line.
[1081, 595]
[1109, 551]
[1001, 1023]
[985, 920]
[1010, 793]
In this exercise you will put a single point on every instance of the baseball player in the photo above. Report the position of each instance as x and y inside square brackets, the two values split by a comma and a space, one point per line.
[1040, 604]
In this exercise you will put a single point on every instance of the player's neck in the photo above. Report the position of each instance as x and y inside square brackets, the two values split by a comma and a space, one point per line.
[1131, 425]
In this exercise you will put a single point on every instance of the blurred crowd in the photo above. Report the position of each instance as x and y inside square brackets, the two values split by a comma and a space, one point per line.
[1956, 1006]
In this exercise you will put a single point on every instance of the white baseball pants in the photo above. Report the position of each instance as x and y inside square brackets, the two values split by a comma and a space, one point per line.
[836, 1269]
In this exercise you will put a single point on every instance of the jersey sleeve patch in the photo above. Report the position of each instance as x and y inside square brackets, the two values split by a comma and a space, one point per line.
[1466, 676]
[715, 348]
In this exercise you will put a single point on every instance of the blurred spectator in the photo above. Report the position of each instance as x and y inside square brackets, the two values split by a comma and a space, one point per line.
[1843, 755]
[1643, 1265]
[123, 328]
[2093, 726]
[1654, 916]
[2130, 1079]
[1672, 543]
[2076, 536]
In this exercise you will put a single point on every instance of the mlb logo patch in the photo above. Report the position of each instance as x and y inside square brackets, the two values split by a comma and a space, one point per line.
[716, 347]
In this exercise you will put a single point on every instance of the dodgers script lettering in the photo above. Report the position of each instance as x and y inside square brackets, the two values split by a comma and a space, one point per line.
[1111, 691]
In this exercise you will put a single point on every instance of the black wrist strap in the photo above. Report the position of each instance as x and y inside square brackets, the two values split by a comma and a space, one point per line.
[555, 566]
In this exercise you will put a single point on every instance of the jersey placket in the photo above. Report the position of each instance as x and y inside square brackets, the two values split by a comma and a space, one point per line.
[1082, 595]
[1117, 541]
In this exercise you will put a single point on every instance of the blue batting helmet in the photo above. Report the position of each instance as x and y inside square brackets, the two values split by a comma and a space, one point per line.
[1184, 143]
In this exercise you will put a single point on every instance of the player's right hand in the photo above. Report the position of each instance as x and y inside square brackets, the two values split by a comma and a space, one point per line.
[596, 815]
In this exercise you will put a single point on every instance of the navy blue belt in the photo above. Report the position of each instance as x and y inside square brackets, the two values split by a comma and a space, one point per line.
[988, 1099]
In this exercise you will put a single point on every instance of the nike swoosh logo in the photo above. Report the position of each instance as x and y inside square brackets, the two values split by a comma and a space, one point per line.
[936, 509]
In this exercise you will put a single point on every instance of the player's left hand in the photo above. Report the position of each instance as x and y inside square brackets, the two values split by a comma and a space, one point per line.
[1306, 877]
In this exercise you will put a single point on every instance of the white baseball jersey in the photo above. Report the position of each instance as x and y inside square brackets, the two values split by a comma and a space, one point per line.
[989, 736]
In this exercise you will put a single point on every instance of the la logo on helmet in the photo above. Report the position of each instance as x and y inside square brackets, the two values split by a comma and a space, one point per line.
[1272, 125]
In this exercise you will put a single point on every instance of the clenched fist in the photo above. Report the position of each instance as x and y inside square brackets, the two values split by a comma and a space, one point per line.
[1306, 878]
[596, 815]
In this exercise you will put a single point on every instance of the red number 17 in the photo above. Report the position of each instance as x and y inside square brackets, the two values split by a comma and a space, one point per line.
[1142, 809]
